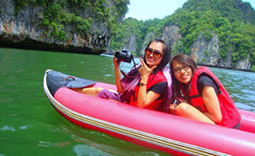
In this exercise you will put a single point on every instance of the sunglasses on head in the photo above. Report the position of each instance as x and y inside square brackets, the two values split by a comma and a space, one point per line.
[156, 53]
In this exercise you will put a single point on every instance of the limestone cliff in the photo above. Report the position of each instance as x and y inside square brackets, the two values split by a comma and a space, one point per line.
[204, 52]
[25, 28]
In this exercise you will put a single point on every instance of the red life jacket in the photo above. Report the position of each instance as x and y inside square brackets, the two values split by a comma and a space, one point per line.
[230, 114]
[153, 79]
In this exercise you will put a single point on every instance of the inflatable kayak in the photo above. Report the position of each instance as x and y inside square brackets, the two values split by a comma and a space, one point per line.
[153, 129]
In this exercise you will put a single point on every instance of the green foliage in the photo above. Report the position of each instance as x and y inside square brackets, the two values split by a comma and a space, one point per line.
[230, 20]
[81, 25]
[20, 4]
[253, 60]
[233, 22]
[131, 26]
[77, 14]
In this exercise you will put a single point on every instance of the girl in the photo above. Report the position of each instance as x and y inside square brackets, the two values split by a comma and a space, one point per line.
[146, 86]
[205, 97]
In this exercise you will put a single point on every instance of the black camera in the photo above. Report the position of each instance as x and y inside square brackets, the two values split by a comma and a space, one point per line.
[123, 55]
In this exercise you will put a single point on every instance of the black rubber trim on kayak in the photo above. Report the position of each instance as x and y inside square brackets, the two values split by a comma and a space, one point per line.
[56, 80]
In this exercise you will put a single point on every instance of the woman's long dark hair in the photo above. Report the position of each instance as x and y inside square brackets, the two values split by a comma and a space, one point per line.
[185, 60]
[165, 57]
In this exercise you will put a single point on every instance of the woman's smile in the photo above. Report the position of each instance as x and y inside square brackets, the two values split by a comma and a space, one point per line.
[150, 58]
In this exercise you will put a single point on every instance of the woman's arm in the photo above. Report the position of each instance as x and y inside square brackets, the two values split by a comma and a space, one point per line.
[144, 98]
[117, 76]
[212, 104]
[148, 98]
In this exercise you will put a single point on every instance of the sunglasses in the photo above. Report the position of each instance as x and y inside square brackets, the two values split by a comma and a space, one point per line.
[156, 53]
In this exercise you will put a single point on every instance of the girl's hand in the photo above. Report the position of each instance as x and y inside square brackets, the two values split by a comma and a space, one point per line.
[172, 108]
[145, 71]
[117, 74]
[144, 98]
[115, 62]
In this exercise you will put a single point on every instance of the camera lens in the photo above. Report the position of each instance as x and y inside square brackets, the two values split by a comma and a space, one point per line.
[117, 55]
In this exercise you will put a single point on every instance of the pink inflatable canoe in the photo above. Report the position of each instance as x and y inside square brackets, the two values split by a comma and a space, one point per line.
[153, 129]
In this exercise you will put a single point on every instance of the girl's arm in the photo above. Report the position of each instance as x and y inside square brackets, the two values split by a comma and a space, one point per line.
[212, 104]
[144, 98]
[188, 111]
[117, 76]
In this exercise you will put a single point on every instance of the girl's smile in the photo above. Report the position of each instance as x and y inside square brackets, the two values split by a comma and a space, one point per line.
[183, 73]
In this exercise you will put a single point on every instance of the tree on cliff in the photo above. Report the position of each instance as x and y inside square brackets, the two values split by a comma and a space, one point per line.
[233, 21]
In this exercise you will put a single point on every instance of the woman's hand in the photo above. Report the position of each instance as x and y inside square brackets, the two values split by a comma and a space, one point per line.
[145, 71]
[145, 98]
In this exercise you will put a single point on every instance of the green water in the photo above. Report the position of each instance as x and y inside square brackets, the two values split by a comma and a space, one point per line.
[29, 125]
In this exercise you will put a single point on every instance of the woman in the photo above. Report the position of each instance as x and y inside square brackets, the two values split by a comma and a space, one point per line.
[145, 86]
[205, 97]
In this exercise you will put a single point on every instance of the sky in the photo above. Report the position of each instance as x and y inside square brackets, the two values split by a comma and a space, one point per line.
[150, 9]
